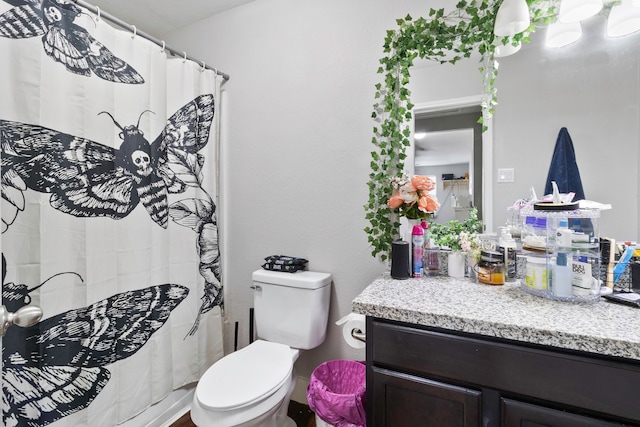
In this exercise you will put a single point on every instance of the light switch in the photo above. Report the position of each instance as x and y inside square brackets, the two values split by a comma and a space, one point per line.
[506, 175]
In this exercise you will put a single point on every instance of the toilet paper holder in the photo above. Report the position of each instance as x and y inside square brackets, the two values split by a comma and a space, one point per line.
[359, 335]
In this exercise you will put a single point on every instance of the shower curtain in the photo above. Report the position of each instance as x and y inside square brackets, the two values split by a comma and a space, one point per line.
[109, 176]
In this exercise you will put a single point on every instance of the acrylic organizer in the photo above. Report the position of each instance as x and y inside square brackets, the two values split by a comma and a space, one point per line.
[562, 254]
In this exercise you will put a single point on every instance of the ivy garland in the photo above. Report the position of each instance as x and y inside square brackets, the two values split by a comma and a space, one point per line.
[446, 38]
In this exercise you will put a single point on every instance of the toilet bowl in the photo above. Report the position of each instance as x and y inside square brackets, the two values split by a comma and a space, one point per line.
[250, 387]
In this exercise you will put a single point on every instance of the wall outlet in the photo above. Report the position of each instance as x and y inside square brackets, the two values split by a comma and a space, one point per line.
[506, 175]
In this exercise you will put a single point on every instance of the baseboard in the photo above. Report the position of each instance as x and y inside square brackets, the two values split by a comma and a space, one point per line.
[165, 412]
[300, 391]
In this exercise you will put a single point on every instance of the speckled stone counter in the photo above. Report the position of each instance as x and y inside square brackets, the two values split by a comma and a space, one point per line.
[506, 312]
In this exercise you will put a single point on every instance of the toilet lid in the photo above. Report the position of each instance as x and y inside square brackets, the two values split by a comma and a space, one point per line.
[245, 376]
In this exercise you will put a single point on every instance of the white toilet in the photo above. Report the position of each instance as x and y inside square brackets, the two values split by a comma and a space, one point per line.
[252, 386]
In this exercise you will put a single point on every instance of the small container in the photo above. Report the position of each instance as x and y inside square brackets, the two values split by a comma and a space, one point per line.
[537, 274]
[431, 266]
[490, 268]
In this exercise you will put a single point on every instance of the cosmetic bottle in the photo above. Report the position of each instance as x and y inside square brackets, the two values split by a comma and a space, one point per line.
[507, 245]
[430, 264]
[417, 239]
[563, 234]
[561, 278]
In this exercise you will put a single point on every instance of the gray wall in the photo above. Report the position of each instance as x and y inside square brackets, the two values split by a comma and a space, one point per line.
[296, 132]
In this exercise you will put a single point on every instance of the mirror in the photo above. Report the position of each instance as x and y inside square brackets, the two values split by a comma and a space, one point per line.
[591, 87]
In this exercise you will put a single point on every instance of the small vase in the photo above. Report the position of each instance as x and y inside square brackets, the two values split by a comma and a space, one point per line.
[406, 227]
[456, 264]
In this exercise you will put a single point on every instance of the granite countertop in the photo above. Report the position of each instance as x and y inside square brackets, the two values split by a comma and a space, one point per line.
[505, 312]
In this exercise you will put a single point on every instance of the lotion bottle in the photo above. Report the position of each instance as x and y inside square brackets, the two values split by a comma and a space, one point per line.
[562, 276]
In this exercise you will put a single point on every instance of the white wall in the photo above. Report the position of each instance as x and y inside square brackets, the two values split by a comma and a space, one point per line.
[297, 135]
[296, 142]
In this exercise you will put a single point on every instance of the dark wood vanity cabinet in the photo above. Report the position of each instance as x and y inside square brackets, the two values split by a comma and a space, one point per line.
[422, 376]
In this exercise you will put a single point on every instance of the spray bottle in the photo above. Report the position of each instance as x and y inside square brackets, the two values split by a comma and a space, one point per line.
[417, 238]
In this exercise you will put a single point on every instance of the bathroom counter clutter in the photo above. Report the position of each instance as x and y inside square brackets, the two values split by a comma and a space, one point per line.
[505, 312]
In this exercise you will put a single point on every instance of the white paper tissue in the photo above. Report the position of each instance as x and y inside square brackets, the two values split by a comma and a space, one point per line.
[350, 322]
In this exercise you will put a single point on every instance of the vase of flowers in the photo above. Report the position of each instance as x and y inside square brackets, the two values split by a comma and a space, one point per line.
[413, 200]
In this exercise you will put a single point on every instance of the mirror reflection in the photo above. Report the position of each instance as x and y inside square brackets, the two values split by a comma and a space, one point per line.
[591, 87]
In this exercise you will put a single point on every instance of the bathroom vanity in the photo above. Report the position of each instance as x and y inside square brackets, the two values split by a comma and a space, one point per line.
[450, 352]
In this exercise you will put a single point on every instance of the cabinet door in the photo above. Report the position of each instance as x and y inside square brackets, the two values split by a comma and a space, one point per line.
[520, 414]
[401, 400]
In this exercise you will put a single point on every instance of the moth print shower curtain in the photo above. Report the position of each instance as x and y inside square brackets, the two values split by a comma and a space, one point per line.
[109, 223]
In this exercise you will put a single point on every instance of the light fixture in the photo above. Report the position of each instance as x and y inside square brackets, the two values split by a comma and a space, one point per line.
[561, 34]
[623, 19]
[502, 50]
[512, 18]
[419, 135]
[577, 10]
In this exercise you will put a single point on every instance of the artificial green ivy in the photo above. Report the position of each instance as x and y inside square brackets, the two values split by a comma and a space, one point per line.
[443, 37]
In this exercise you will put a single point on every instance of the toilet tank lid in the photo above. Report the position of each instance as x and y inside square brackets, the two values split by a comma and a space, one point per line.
[299, 279]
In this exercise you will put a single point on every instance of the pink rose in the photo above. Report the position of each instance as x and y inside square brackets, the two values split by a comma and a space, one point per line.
[395, 201]
[423, 183]
[428, 204]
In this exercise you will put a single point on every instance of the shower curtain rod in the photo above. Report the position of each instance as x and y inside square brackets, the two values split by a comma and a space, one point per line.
[135, 31]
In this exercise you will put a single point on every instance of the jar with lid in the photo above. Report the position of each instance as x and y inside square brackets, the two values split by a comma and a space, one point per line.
[490, 268]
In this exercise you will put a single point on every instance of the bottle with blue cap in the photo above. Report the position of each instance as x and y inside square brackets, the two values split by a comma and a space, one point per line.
[563, 234]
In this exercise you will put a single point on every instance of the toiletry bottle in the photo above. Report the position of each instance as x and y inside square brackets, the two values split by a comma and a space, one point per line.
[417, 238]
[507, 245]
[563, 234]
[562, 276]
[430, 266]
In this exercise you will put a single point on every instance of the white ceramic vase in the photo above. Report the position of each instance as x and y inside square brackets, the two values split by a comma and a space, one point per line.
[456, 264]
[406, 227]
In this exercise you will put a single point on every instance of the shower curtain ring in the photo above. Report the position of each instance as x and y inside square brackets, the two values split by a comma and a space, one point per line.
[98, 11]
[135, 31]
[185, 56]
[163, 46]
[204, 66]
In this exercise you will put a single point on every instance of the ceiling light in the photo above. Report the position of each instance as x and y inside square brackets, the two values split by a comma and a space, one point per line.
[623, 19]
[577, 10]
[560, 34]
[419, 135]
[502, 50]
[512, 18]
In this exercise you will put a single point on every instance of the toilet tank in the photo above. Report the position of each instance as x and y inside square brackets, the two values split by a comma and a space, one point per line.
[291, 308]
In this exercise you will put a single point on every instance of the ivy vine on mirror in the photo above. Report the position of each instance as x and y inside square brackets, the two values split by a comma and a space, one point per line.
[446, 38]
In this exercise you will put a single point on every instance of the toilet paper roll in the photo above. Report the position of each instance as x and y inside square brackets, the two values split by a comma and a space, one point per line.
[351, 322]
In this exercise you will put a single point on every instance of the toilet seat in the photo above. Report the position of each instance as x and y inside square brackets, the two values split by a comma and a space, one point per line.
[245, 377]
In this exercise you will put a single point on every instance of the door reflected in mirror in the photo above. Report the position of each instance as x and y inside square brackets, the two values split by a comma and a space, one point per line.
[448, 147]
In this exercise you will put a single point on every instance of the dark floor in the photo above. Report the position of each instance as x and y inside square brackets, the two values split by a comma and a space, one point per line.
[300, 413]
